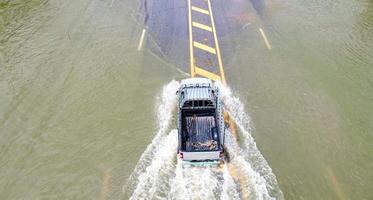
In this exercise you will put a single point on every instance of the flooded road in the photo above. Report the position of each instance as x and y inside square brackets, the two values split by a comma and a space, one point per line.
[80, 95]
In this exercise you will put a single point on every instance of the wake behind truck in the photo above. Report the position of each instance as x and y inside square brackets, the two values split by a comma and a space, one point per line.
[200, 122]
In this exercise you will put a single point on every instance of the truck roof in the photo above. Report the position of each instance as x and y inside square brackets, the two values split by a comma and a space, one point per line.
[196, 89]
[197, 93]
[192, 82]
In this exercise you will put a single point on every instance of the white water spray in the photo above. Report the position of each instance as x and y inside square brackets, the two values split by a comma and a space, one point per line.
[153, 180]
[230, 189]
[195, 183]
[158, 174]
[263, 183]
[165, 107]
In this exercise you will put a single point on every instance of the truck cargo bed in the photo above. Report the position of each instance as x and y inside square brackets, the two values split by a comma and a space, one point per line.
[200, 122]
[199, 133]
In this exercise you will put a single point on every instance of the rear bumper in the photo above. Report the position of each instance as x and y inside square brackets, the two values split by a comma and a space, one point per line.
[201, 156]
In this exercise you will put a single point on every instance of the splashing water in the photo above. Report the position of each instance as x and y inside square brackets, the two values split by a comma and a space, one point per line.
[230, 188]
[147, 163]
[198, 183]
[159, 174]
[247, 156]
[154, 179]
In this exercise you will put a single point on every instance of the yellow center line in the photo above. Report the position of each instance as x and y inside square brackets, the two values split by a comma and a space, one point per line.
[207, 74]
[204, 47]
[200, 10]
[202, 26]
[222, 75]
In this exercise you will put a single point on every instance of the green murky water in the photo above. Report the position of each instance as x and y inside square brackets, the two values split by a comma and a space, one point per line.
[77, 99]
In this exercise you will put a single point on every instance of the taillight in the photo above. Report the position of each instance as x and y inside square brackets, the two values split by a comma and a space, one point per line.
[181, 155]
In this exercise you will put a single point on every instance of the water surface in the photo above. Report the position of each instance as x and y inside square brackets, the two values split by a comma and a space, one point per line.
[78, 101]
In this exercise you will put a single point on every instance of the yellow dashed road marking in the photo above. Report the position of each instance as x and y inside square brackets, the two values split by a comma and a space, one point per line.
[200, 10]
[213, 50]
[204, 47]
[202, 26]
[207, 74]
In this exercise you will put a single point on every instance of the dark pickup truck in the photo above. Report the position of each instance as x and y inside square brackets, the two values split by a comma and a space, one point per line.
[200, 122]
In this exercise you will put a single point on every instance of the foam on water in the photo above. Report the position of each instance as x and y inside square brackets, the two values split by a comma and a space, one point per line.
[178, 185]
[230, 188]
[165, 107]
[199, 183]
[153, 180]
[202, 183]
[247, 156]
[159, 174]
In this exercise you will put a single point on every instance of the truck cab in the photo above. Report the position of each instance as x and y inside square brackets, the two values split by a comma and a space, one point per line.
[200, 122]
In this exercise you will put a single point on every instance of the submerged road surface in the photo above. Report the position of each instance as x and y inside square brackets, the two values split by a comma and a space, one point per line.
[81, 87]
